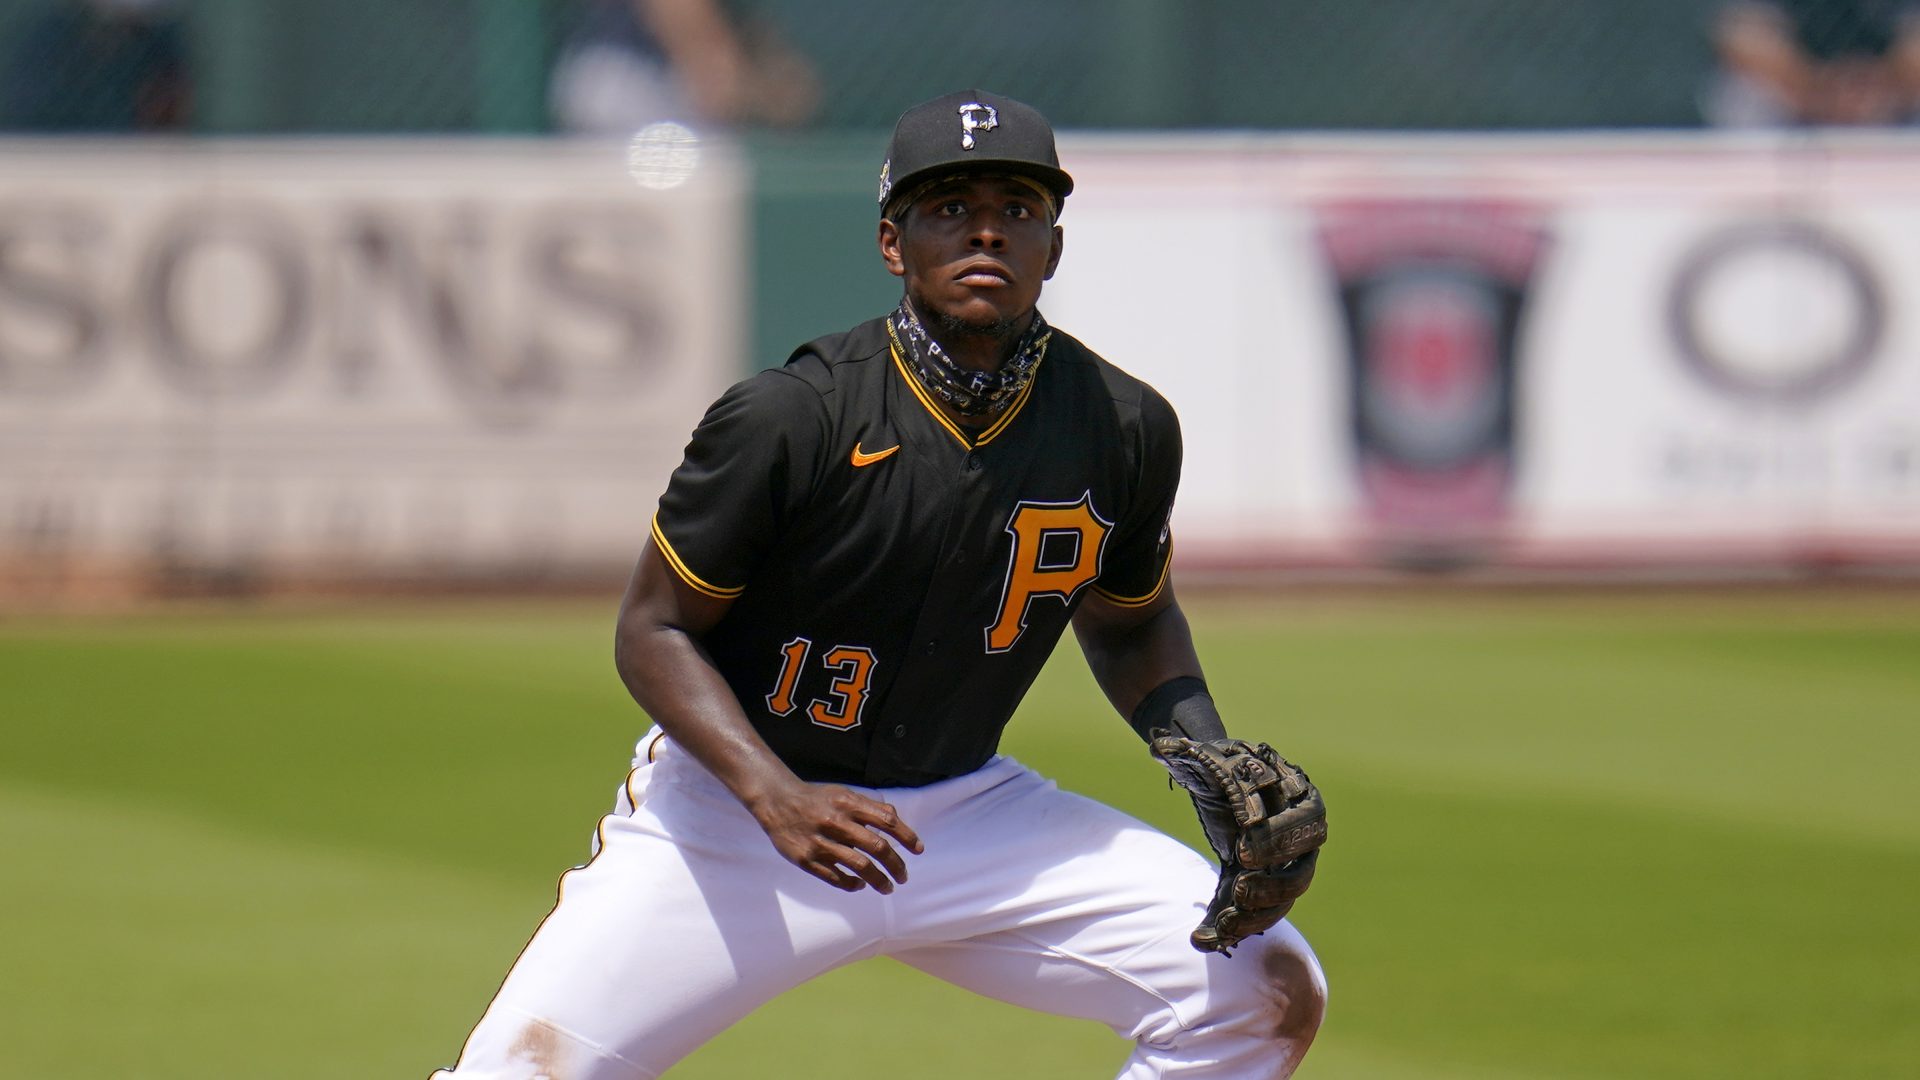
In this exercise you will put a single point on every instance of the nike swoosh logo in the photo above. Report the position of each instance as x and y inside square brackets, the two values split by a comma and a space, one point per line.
[860, 459]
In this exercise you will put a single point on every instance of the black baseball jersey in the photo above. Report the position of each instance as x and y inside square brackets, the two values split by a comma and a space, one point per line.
[898, 581]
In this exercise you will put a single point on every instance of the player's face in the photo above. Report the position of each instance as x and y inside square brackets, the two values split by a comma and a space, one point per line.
[974, 251]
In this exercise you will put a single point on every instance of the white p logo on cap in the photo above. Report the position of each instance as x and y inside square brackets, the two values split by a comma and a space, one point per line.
[969, 124]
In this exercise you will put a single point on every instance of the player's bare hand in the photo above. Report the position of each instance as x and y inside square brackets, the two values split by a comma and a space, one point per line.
[839, 836]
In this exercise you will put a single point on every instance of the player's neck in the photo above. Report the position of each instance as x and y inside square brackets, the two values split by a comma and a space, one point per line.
[976, 352]
[976, 348]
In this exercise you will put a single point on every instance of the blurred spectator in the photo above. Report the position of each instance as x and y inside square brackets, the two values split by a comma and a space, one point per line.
[1787, 62]
[99, 65]
[629, 63]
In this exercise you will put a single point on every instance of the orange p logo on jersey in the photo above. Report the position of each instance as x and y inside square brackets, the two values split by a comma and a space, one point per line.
[1057, 549]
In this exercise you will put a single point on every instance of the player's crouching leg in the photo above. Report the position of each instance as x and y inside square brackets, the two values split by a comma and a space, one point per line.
[1263, 1007]
[1298, 989]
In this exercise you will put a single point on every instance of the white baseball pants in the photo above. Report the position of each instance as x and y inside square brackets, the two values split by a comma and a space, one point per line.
[687, 919]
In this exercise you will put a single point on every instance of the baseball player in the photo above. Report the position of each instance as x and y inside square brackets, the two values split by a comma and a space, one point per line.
[853, 577]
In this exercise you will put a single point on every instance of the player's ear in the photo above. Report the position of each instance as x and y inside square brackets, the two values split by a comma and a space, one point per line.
[1053, 255]
[890, 248]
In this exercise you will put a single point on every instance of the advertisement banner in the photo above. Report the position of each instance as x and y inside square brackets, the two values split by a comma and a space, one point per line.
[318, 359]
[1556, 352]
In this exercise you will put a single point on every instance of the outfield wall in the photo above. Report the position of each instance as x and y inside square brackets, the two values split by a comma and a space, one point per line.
[290, 360]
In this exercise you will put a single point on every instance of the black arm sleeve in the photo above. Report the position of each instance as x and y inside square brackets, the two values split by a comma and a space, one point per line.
[1182, 706]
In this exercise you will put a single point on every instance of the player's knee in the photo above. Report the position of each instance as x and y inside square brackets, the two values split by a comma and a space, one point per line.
[1296, 990]
[1264, 1006]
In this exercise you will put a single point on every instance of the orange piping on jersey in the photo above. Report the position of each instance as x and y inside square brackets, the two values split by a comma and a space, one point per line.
[1018, 404]
[913, 384]
[1141, 601]
[693, 580]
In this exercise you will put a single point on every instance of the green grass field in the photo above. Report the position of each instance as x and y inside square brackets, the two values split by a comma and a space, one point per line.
[1635, 835]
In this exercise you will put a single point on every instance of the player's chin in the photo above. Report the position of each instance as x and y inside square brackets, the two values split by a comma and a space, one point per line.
[992, 314]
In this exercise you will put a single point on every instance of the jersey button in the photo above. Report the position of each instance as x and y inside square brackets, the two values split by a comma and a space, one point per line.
[974, 463]
[899, 731]
[931, 646]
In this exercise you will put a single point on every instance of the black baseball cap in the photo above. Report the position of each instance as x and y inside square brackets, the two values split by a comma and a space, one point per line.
[970, 131]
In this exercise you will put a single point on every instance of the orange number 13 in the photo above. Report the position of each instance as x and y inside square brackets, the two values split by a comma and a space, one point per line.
[854, 667]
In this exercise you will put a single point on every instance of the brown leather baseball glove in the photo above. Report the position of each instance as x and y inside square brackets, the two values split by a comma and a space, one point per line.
[1266, 822]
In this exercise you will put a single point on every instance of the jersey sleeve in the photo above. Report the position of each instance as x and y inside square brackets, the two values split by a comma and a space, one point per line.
[1140, 552]
[751, 462]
